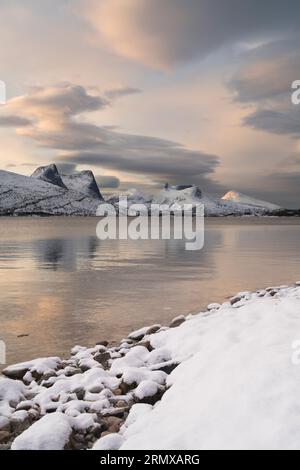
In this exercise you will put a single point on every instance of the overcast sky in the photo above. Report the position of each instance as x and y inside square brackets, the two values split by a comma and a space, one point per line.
[148, 91]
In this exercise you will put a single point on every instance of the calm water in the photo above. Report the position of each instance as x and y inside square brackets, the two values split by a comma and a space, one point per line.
[61, 286]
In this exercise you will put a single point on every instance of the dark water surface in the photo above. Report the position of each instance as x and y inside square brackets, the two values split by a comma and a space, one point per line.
[62, 286]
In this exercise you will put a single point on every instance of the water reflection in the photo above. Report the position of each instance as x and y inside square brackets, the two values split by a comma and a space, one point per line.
[62, 286]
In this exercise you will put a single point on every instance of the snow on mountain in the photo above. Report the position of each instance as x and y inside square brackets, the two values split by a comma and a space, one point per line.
[82, 182]
[128, 198]
[236, 197]
[47, 192]
[23, 195]
[171, 195]
[49, 174]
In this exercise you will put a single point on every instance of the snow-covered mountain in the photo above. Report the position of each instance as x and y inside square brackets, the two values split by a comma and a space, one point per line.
[239, 198]
[82, 182]
[47, 192]
[23, 195]
[174, 195]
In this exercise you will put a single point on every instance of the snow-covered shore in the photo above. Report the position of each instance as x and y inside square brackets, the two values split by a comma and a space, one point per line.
[226, 378]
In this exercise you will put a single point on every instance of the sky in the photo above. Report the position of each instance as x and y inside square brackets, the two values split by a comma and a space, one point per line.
[145, 92]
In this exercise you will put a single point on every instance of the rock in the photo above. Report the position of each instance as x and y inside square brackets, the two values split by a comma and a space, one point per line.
[4, 424]
[80, 393]
[105, 433]
[125, 388]
[121, 404]
[96, 389]
[73, 371]
[102, 343]
[146, 345]
[113, 423]
[4, 436]
[20, 421]
[235, 300]
[4, 447]
[213, 306]
[168, 367]
[140, 334]
[15, 373]
[153, 329]
[103, 359]
[177, 321]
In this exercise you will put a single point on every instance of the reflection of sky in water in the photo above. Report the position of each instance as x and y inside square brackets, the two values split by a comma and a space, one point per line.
[62, 286]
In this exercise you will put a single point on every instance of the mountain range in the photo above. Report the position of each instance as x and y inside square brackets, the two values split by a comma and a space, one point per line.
[48, 192]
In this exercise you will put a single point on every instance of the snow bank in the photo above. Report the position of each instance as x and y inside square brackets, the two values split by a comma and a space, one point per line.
[52, 432]
[236, 386]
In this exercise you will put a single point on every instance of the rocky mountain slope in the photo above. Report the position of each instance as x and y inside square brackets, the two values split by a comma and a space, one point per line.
[23, 195]
[47, 192]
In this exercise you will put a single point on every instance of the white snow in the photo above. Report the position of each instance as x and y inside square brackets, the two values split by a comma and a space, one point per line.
[236, 197]
[52, 432]
[11, 392]
[236, 386]
[109, 442]
[146, 388]
[40, 366]
[212, 205]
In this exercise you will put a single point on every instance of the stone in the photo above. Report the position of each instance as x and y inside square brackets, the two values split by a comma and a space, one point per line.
[103, 359]
[146, 345]
[4, 424]
[80, 393]
[4, 436]
[71, 372]
[177, 322]
[113, 423]
[102, 343]
[96, 389]
[121, 404]
[168, 367]
[235, 300]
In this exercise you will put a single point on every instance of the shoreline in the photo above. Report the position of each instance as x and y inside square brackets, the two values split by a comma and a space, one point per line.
[92, 395]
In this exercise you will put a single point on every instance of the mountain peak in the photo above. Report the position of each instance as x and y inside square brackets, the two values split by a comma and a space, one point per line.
[240, 198]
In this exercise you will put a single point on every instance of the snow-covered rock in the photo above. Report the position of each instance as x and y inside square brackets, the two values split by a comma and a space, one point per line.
[37, 366]
[239, 198]
[23, 195]
[52, 432]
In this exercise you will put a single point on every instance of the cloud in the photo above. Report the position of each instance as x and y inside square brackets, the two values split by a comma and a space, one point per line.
[14, 121]
[108, 182]
[164, 33]
[264, 80]
[277, 122]
[120, 92]
[267, 72]
[57, 123]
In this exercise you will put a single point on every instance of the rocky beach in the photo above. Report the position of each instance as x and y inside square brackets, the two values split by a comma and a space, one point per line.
[125, 396]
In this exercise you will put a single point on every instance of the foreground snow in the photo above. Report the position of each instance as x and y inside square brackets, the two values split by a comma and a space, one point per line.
[222, 379]
[236, 387]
